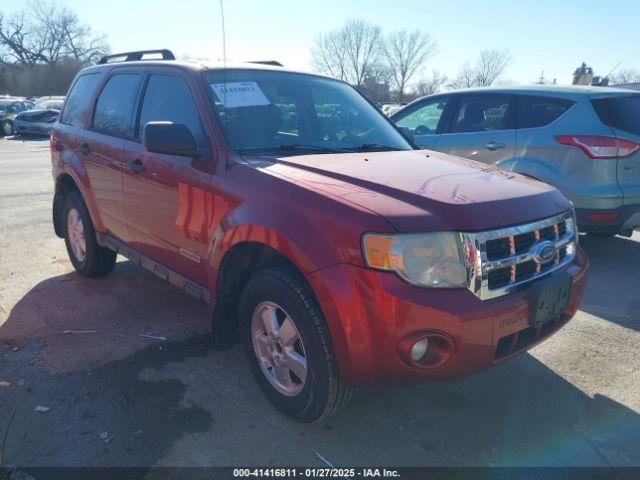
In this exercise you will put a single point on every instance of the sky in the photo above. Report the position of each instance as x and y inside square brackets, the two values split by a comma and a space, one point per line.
[542, 35]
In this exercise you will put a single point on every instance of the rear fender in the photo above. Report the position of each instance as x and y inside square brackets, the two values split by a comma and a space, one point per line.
[72, 166]
[532, 167]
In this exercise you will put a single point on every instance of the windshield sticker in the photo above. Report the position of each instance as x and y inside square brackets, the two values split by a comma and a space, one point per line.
[240, 94]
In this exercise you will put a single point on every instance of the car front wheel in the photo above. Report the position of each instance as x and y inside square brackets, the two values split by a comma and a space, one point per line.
[7, 128]
[289, 347]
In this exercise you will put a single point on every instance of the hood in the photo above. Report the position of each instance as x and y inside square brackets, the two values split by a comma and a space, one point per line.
[422, 190]
[45, 115]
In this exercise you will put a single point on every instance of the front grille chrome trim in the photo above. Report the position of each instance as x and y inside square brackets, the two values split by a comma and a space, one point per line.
[479, 266]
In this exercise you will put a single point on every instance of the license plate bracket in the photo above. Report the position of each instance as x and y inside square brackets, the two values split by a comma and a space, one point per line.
[550, 299]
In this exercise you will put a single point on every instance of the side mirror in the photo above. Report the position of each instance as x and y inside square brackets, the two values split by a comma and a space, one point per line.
[170, 138]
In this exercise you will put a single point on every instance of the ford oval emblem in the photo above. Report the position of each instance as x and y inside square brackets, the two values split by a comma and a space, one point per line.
[545, 252]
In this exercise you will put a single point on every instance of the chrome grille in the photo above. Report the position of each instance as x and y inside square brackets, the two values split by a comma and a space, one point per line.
[505, 260]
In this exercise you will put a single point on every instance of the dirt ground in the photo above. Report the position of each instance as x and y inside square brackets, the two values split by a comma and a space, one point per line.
[114, 397]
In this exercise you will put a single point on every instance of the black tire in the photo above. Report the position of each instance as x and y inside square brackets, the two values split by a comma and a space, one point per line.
[98, 261]
[324, 393]
[7, 128]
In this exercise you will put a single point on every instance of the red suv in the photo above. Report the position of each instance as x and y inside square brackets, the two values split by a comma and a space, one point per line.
[338, 253]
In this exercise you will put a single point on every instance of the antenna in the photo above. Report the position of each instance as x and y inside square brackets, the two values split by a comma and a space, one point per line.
[224, 63]
[224, 36]
[612, 70]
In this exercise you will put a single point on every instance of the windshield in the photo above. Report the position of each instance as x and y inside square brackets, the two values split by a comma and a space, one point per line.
[283, 113]
[51, 105]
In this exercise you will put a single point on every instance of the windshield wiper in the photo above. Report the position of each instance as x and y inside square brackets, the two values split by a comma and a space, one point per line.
[374, 147]
[293, 147]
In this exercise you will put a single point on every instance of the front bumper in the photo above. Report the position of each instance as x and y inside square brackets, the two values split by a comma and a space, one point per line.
[623, 219]
[370, 312]
[20, 127]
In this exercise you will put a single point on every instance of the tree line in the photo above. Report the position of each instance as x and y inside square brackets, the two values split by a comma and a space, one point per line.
[43, 46]
[362, 55]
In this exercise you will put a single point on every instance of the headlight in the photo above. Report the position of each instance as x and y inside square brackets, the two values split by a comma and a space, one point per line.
[425, 259]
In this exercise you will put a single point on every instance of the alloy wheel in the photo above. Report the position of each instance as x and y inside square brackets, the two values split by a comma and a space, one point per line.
[75, 231]
[279, 349]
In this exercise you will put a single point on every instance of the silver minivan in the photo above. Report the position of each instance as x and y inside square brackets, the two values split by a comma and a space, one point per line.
[585, 141]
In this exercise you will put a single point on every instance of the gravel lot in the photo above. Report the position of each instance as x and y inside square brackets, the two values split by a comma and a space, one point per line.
[118, 398]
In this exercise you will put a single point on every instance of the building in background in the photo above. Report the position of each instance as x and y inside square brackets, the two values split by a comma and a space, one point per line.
[583, 75]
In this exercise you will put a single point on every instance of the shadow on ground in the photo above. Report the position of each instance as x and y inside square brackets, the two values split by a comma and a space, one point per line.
[116, 398]
[615, 267]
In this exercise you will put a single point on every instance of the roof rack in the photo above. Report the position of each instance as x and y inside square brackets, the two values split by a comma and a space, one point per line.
[273, 63]
[134, 56]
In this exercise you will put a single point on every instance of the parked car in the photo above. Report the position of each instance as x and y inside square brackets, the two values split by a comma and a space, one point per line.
[40, 119]
[337, 253]
[49, 102]
[9, 108]
[390, 107]
[585, 141]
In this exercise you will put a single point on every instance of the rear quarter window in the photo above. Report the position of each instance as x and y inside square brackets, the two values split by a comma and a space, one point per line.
[621, 112]
[81, 93]
[539, 111]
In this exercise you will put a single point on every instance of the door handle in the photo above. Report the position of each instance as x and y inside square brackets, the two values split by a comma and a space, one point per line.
[135, 165]
[494, 145]
[85, 149]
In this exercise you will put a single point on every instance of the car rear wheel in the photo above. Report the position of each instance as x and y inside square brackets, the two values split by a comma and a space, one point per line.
[289, 347]
[88, 258]
[7, 128]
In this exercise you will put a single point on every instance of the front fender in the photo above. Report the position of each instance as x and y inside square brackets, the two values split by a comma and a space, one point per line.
[276, 224]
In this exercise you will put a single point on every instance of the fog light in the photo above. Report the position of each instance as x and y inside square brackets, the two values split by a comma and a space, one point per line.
[419, 349]
[426, 349]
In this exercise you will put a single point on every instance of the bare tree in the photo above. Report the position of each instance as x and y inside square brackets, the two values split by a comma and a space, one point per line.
[352, 53]
[430, 85]
[491, 64]
[623, 77]
[18, 40]
[466, 77]
[488, 68]
[329, 54]
[46, 33]
[406, 54]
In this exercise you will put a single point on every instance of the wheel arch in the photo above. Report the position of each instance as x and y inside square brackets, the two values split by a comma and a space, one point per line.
[63, 185]
[67, 181]
[532, 167]
[238, 265]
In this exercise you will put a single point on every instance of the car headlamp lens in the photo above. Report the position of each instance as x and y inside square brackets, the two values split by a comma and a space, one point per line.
[425, 259]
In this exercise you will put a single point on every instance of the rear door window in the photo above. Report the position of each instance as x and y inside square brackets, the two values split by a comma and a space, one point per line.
[621, 112]
[79, 97]
[168, 98]
[114, 108]
[482, 113]
[539, 111]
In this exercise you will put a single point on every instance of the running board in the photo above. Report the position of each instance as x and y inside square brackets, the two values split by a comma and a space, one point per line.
[194, 289]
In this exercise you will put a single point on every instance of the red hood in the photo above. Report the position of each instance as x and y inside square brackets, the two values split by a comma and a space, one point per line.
[424, 190]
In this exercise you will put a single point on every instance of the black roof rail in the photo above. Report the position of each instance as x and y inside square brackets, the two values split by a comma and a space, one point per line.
[133, 56]
[273, 63]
